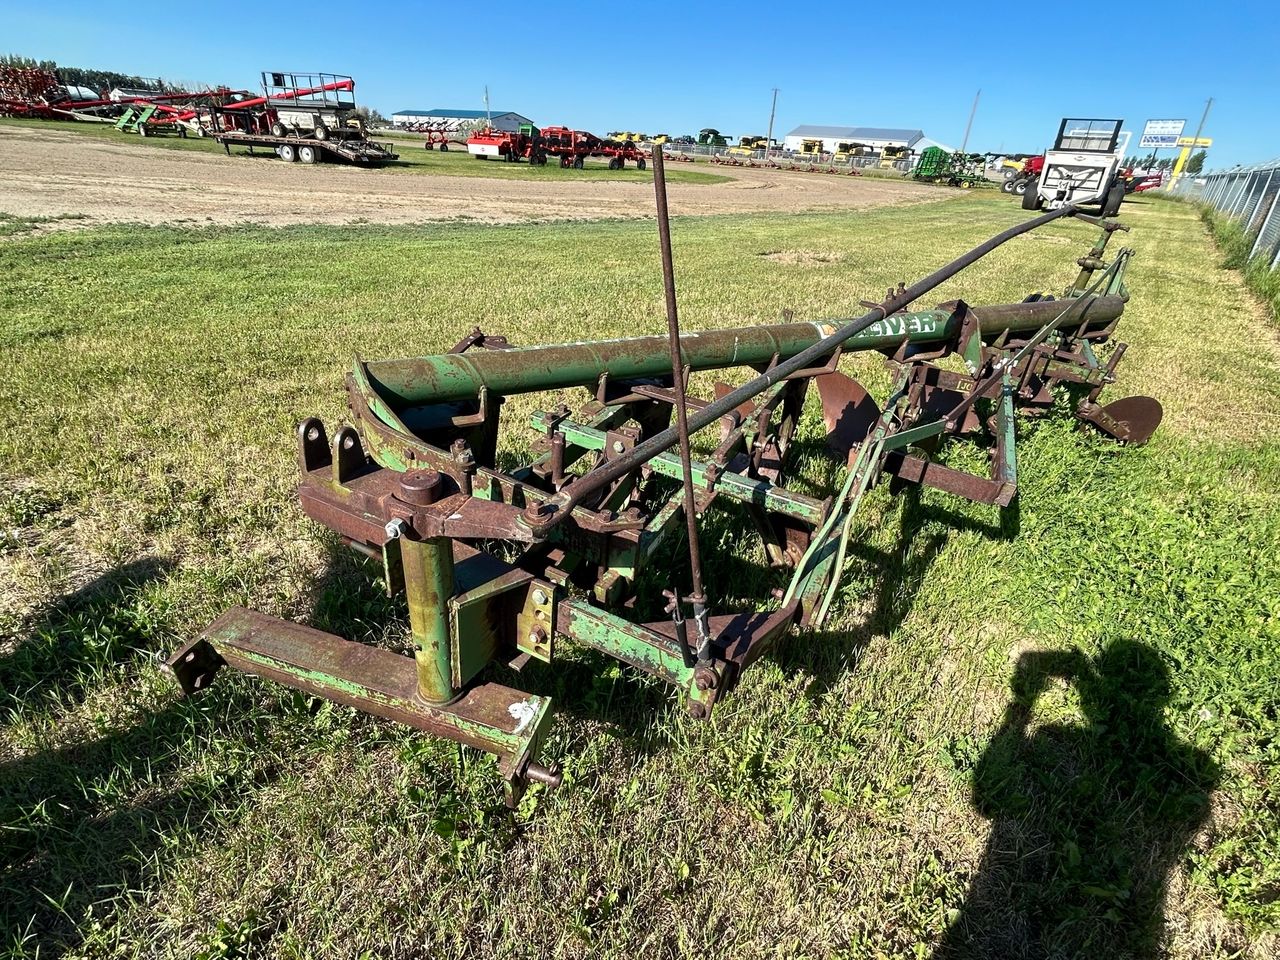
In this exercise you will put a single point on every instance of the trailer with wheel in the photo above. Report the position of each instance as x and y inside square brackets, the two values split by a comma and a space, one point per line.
[573, 147]
[306, 117]
[1082, 168]
[1018, 179]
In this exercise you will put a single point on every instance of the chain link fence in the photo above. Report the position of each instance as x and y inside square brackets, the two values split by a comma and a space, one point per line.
[1248, 195]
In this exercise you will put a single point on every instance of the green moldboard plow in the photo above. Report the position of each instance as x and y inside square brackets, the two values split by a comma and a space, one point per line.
[504, 565]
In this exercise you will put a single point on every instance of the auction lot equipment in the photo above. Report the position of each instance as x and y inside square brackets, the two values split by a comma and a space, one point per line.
[595, 538]
[1082, 168]
[527, 143]
[309, 117]
[955, 169]
[1021, 176]
[573, 147]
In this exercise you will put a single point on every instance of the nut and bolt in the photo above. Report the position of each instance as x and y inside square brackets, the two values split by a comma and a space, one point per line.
[461, 452]
[395, 529]
[540, 596]
[704, 678]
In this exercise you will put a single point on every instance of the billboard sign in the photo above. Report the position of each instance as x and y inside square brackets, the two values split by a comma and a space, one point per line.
[1158, 134]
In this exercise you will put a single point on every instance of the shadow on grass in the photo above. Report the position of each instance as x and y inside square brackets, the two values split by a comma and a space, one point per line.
[80, 636]
[90, 820]
[1087, 821]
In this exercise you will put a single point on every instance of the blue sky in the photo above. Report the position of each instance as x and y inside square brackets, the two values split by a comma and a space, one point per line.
[656, 66]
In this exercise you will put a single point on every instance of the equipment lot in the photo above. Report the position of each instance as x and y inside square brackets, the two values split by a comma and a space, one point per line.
[117, 179]
[153, 380]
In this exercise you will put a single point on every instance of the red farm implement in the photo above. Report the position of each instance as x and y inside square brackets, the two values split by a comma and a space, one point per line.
[438, 135]
[571, 146]
[310, 117]
[28, 92]
[511, 146]
[574, 146]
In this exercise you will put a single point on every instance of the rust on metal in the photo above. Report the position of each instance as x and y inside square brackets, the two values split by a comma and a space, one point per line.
[507, 561]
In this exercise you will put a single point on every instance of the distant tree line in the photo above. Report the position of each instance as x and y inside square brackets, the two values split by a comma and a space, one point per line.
[371, 117]
[1195, 163]
[99, 80]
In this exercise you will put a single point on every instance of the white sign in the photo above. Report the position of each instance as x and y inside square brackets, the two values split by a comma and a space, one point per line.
[1159, 134]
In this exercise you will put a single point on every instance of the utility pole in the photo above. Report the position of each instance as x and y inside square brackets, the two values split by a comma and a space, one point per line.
[768, 137]
[1185, 155]
[964, 147]
[1203, 117]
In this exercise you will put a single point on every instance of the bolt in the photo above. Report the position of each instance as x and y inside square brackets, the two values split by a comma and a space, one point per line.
[313, 434]
[619, 446]
[348, 442]
[395, 529]
[697, 710]
[537, 637]
[540, 596]
[551, 776]
[704, 678]
[460, 450]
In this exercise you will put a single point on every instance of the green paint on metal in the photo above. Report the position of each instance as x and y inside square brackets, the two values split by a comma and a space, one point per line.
[428, 585]
[733, 485]
[629, 642]
[1005, 426]
[904, 438]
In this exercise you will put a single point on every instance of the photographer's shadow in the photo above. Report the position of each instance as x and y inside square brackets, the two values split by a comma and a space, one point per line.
[1087, 821]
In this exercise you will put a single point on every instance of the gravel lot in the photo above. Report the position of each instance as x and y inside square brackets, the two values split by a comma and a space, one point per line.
[52, 173]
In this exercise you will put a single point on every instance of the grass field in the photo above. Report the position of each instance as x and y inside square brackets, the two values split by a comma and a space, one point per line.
[980, 748]
[414, 159]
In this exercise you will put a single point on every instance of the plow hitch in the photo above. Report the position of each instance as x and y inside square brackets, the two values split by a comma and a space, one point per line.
[592, 539]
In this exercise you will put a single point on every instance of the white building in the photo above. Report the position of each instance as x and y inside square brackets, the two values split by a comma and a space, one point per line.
[449, 119]
[873, 138]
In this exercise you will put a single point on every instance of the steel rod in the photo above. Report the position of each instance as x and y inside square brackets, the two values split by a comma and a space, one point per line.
[682, 414]
[542, 518]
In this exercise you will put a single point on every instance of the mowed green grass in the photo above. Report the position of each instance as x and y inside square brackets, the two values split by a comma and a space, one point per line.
[838, 803]
[413, 157]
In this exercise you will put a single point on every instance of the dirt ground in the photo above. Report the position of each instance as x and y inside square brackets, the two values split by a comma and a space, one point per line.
[47, 174]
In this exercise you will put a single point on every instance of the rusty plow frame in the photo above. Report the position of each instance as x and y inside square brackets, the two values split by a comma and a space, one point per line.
[502, 565]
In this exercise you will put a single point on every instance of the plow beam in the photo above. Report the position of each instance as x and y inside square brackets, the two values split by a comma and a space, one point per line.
[448, 377]
[488, 716]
